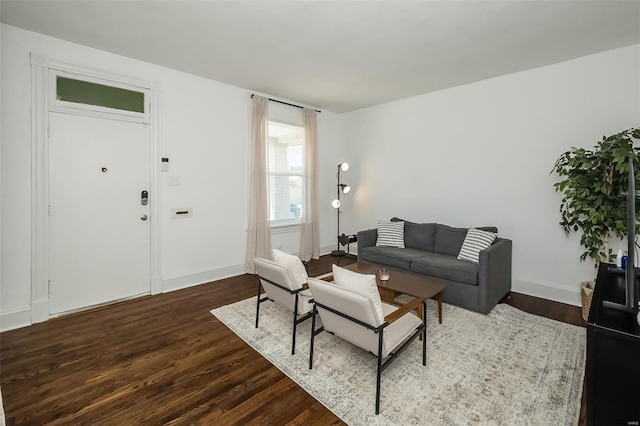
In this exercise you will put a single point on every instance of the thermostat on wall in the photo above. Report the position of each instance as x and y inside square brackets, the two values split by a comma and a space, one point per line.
[165, 164]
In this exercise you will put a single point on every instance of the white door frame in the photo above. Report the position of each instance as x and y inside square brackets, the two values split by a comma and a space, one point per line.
[41, 106]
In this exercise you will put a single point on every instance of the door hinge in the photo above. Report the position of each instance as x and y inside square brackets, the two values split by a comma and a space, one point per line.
[49, 210]
[48, 132]
[49, 288]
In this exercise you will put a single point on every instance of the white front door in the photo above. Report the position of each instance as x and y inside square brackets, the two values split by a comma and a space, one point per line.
[99, 232]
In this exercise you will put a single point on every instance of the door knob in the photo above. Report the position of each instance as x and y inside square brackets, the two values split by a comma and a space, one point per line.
[144, 217]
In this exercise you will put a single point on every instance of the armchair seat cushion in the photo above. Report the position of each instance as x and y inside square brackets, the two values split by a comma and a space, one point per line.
[398, 331]
[446, 267]
[284, 299]
[394, 334]
[359, 307]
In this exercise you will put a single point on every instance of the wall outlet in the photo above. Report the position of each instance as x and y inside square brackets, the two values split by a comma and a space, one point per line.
[174, 180]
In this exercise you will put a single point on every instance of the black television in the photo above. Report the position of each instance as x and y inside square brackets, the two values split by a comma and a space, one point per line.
[629, 300]
[631, 278]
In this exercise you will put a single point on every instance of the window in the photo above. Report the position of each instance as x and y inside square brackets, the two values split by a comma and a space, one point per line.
[285, 168]
[85, 92]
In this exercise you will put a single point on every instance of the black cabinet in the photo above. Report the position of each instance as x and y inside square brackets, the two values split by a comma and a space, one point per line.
[613, 356]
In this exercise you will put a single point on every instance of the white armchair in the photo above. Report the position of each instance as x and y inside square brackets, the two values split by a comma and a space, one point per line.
[286, 288]
[353, 317]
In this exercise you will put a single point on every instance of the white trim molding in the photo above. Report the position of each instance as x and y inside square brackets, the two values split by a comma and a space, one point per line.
[41, 106]
[39, 190]
[202, 277]
[156, 187]
[16, 318]
[547, 290]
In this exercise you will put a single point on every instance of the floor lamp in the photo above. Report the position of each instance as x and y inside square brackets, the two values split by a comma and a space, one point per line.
[336, 205]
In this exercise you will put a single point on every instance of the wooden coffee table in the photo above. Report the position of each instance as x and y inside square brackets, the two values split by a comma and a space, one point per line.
[403, 282]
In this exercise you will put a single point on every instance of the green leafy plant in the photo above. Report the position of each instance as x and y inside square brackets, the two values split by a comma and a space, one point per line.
[594, 187]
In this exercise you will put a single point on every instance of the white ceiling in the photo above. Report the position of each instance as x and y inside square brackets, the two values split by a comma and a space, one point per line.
[339, 55]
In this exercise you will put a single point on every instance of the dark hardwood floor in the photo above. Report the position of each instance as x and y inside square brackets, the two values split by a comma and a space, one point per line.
[165, 359]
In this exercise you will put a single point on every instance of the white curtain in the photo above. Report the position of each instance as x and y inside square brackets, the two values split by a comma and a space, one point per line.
[258, 230]
[309, 228]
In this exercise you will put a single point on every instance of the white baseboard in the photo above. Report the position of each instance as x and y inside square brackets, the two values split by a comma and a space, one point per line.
[190, 280]
[328, 249]
[40, 311]
[15, 318]
[156, 284]
[546, 290]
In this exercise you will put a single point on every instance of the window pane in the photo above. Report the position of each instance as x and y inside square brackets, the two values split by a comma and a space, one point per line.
[285, 171]
[285, 197]
[285, 148]
[84, 92]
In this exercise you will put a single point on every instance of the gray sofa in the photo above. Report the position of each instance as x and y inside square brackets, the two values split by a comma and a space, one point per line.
[432, 249]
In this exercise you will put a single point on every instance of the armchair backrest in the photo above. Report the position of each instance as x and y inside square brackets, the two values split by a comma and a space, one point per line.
[274, 272]
[351, 304]
[271, 272]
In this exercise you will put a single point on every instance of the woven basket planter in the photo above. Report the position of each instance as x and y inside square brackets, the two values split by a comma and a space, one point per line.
[586, 294]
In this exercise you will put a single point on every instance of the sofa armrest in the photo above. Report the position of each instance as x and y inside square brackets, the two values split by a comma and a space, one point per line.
[494, 273]
[366, 238]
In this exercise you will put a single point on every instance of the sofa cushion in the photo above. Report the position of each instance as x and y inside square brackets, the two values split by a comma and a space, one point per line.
[418, 236]
[449, 240]
[475, 241]
[487, 228]
[446, 267]
[391, 256]
[390, 234]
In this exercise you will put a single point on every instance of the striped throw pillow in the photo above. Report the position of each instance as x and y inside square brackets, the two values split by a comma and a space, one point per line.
[475, 241]
[390, 234]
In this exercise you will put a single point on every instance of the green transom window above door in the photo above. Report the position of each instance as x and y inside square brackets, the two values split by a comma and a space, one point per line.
[84, 92]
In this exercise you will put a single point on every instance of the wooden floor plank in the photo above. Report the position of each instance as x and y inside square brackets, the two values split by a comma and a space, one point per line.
[165, 359]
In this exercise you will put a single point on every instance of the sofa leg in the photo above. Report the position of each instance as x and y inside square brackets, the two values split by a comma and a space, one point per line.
[506, 298]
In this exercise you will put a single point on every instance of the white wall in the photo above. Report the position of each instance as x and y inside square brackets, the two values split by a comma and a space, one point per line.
[481, 154]
[205, 133]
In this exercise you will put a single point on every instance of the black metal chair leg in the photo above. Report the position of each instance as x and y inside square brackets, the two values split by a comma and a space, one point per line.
[379, 374]
[295, 324]
[313, 335]
[424, 333]
[258, 304]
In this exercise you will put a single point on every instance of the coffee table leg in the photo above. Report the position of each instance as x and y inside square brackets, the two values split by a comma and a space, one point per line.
[440, 307]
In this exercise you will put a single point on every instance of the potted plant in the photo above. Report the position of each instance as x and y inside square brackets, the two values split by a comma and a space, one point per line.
[594, 187]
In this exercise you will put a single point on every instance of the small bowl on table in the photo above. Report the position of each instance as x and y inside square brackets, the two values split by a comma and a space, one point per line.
[383, 274]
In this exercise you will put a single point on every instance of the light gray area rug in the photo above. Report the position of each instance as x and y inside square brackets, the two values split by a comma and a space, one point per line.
[505, 368]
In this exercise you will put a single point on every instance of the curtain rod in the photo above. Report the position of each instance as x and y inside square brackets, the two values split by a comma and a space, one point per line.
[286, 103]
